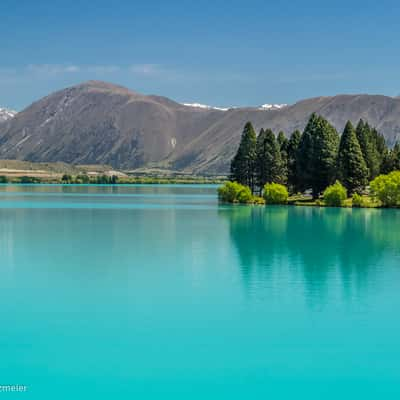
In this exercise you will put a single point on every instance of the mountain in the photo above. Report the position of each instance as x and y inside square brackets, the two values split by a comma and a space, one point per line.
[100, 123]
[6, 114]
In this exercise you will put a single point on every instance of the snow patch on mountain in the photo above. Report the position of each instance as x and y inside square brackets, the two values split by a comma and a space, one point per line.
[265, 107]
[269, 107]
[6, 114]
[205, 106]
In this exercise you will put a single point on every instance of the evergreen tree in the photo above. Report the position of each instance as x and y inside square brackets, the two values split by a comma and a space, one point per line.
[283, 146]
[316, 158]
[243, 164]
[391, 161]
[396, 157]
[352, 169]
[304, 156]
[379, 142]
[292, 149]
[269, 166]
[282, 141]
[381, 147]
[368, 144]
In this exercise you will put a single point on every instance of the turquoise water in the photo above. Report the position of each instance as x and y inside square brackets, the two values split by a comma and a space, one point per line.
[154, 292]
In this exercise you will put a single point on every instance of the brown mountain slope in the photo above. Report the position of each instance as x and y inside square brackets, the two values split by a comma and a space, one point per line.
[211, 151]
[101, 123]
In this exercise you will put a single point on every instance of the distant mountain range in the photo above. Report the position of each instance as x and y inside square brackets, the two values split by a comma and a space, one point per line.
[6, 114]
[101, 123]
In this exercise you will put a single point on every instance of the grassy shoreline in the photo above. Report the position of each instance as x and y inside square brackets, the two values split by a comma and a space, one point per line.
[305, 201]
[334, 196]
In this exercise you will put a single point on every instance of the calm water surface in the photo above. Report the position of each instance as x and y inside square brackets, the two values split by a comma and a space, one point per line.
[157, 292]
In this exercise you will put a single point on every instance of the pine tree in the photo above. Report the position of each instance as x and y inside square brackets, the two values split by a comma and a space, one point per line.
[396, 157]
[316, 158]
[282, 141]
[392, 160]
[292, 149]
[379, 142]
[380, 146]
[352, 169]
[283, 146]
[304, 155]
[368, 144]
[269, 165]
[387, 162]
[243, 164]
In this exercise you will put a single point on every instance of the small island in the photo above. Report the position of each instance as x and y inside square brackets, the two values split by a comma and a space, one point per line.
[316, 167]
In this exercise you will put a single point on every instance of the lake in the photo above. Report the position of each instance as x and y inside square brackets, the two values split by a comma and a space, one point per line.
[158, 292]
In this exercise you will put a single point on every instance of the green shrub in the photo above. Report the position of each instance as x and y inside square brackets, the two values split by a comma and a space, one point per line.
[357, 200]
[29, 179]
[387, 189]
[83, 178]
[233, 192]
[274, 193]
[3, 179]
[244, 195]
[228, 192]
[335, 195]
[258, 200]
[66, 178]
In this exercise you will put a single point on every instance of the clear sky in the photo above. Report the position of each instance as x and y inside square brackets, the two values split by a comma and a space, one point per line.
[222, 53]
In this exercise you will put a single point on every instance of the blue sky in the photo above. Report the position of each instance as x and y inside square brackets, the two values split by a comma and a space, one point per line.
[223, 53]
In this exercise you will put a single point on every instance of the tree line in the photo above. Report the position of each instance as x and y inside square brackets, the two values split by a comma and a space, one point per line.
[313, 159]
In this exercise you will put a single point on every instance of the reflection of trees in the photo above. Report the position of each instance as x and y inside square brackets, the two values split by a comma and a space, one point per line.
[322, 242]
[250, 228]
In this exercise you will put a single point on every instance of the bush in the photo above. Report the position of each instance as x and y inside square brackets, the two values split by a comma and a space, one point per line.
[3, 179]
[274, 193]
[258, 200]
[233, 192]
[29, 179]
[82, 179]
[357, 200]
[244, 195]
[228, 192]
[335, 195]
[387, 189]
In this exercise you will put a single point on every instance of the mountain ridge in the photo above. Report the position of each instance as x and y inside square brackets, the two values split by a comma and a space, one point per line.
[98, 122]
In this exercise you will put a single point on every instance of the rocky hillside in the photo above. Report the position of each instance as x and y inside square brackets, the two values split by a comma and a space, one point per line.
[101, 123]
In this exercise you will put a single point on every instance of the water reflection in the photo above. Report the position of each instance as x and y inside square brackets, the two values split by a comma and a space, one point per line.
[326, 246]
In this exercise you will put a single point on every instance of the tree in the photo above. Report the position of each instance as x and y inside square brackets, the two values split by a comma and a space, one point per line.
[283, 146]
[269, 166]
[84, 178]
[292, 149]
[380, 144]
[352, 169]
[66, 178]
[243, 164]
[368, 144]
[391, 161]
[316, 158]
[395, 157]
[282, 141]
